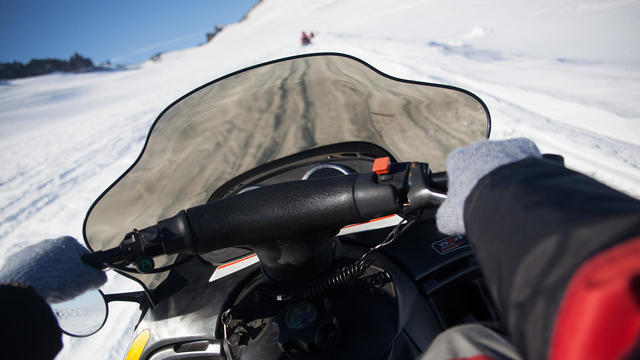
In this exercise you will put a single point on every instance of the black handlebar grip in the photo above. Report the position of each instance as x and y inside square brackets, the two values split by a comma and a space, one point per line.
[99, 259]
[281, 210]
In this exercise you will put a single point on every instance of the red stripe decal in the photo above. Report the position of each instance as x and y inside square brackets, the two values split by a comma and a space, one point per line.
[237, 261]
[370, 221]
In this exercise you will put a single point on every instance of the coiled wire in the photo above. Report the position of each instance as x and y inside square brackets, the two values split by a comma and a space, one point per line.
[355, 270]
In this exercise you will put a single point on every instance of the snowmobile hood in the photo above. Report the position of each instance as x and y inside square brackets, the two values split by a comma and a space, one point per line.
[270, 111]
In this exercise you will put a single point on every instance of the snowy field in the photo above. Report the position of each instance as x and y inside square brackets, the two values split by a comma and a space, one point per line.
[563, 73]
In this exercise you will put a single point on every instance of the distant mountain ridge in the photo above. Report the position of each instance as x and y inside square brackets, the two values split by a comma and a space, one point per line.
[34, 67]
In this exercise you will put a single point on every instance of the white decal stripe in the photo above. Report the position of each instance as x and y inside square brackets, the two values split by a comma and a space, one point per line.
[233, 266]
[380, 223]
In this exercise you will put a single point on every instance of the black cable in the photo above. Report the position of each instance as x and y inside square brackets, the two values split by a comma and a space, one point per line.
[357, 268]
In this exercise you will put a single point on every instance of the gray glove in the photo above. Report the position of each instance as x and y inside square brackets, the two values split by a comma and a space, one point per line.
[53, 268]
[467, 165]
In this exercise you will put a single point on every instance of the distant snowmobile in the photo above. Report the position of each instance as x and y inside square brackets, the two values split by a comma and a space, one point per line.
[305, 39]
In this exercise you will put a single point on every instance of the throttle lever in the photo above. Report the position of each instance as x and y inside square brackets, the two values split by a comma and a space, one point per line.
[439, 181]
[421, 195]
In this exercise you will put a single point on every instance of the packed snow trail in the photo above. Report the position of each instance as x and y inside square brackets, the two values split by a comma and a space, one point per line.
[64, 138]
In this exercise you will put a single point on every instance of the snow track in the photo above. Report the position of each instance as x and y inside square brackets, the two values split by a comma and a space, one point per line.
[521, 113]
[68, 157]
[547, 70]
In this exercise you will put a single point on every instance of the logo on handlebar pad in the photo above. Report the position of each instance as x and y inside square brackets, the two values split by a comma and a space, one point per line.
[450, 244]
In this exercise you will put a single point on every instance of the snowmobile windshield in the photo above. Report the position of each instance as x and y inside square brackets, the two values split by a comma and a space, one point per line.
[270, 111]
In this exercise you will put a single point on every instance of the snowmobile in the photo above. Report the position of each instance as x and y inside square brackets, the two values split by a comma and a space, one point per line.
[286, 210]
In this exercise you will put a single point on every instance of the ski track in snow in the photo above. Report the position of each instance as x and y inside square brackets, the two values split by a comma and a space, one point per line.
[609, 160]
[63, 166]
[64, 138]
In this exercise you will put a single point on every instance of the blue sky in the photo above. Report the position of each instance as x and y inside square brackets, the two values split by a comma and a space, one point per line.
[124, 32]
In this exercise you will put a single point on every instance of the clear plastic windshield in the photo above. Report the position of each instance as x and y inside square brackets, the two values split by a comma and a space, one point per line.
[271, 111]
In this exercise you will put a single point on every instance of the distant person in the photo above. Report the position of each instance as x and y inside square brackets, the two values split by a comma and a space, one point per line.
[305, 39]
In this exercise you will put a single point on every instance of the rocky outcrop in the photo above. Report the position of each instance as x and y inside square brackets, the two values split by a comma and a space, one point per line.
[15, 70]
[213, 34]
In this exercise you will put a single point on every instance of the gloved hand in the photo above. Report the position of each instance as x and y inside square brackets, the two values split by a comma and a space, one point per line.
[53, 268]
[467, 165]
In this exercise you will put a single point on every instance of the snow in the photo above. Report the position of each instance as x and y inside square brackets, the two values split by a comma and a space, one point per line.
[563, 73]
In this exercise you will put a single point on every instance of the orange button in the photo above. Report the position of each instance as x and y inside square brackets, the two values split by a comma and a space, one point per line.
[381, 165]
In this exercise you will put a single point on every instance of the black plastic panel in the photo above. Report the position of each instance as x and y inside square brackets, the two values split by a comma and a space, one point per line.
[414, 251]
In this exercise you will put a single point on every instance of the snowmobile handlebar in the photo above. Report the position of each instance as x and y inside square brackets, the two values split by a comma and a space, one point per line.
[261, 217]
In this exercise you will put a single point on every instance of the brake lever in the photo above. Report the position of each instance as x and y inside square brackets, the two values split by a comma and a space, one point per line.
[101, 260]
[418, 188]
[420, 195]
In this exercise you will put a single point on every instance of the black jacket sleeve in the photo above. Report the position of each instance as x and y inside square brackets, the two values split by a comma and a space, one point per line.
[29, 328]
[532, 224]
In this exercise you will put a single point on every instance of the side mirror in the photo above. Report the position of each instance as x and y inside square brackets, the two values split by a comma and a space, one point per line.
[82, 316]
